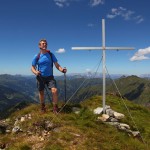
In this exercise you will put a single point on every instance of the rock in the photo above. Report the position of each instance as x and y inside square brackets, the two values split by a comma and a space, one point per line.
[49, 125]
[135, 133]
[104, 117]
[75, 134]
[23, 119]
[113, 119]
[16, 123]
[107, 107]
[41, 138]
[29, 116]
[121, 127]
[129, 131]
[16, 129]
[125, 125]
[8, 131]
[98, 110]
[76, 110]
[118, 115]
[110, 112]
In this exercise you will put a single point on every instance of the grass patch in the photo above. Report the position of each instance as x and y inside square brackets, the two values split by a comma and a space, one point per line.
[79, 131]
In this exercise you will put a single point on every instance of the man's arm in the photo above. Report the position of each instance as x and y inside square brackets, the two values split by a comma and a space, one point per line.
[64, 70]
[36, 72]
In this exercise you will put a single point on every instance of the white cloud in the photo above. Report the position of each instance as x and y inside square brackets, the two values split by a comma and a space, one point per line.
[110, 16]
[90, 25]
[125, 14]
[140, 54]
[88, 70]
[61, 3]
[139, 19]
[61, 50]
[96, 2]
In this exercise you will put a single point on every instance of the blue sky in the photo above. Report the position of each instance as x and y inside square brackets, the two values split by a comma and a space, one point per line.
[70, 23]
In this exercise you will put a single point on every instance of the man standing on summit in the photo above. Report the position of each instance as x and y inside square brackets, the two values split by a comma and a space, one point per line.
[42, 67]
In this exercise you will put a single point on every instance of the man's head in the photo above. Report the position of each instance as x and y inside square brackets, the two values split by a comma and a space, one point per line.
[43, 44]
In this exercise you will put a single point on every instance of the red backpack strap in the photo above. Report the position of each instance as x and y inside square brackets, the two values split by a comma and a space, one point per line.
[48, 51]
[38, 56]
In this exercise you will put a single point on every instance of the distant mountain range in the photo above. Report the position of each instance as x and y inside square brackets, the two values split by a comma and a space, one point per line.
[15, 92]
[20, 90]
[86, 75]
[91, 75]
[99, 75]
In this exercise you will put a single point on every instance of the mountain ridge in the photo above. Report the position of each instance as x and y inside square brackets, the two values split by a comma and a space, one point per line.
[132, 88]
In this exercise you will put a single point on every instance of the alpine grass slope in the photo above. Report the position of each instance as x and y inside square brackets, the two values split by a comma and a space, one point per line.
[75, 127]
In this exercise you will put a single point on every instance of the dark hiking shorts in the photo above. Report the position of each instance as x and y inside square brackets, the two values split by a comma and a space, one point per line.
[49, 81]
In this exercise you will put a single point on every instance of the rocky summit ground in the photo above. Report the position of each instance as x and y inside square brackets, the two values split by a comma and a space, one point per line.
[78, 127]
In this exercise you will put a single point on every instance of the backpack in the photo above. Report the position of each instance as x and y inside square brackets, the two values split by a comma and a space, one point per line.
[48, 51]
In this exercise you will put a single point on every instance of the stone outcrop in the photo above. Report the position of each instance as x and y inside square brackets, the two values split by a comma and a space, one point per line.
[114, 118]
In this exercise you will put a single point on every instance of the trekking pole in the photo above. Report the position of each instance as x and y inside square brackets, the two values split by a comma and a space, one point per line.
[65, 85]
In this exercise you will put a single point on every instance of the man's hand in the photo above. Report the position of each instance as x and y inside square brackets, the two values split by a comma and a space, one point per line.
[38, 73]
[64, 70]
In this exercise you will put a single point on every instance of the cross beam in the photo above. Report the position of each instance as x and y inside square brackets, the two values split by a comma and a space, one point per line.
[103, 48]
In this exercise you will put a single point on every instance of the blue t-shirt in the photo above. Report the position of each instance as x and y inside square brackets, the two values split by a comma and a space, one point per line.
[44, 63]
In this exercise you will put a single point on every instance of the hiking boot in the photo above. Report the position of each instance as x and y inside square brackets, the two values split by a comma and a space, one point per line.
[55, 109]
[43, 108]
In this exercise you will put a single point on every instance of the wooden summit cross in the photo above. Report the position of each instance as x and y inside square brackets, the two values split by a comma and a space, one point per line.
[104, 57]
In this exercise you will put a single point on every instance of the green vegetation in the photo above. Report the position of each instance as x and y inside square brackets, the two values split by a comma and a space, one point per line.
[17, 89]
[82, 131]
[134, 89]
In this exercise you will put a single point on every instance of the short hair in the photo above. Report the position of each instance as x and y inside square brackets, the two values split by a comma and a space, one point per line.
[43, 40]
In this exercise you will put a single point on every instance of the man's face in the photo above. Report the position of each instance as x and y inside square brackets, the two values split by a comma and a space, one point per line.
[43, 45]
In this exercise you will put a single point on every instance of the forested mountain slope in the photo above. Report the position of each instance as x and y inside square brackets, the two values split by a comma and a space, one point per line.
[16, 89]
